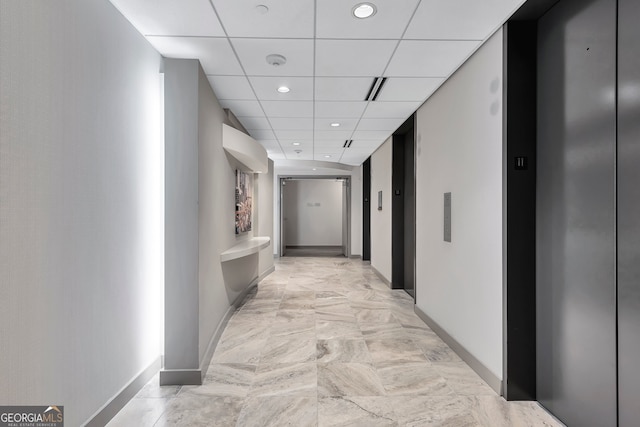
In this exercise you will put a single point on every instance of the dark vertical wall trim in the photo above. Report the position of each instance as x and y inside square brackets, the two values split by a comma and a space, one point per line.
[628, 212]
[409, 219]
[520, 93]
[397, 212]
[366, 210]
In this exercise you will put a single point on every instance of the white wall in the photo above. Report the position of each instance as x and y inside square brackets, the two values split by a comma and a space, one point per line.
[200, 215]
[313, 212]
[263, 192]
[81, 212]
[459, 284]
[356, 211]
[381, 169]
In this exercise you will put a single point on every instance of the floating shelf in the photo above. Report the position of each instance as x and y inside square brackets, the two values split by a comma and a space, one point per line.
[244, 148]
[245, 248]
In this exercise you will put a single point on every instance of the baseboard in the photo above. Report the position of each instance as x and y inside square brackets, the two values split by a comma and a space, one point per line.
[117, 402]
[265, 273]
[181, 377]
[313, 247]
[489, 377]
[381, 276]
[213, 343]
[355, 256]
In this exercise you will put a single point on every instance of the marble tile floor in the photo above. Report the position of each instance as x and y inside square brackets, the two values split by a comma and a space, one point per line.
[324, 342]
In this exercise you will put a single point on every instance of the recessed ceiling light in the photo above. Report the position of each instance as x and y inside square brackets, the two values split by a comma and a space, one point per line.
[328, 156]
[262, 9]
[314, 169]
[295, 143]
[364, 10]
[283, 89]
[335, 125]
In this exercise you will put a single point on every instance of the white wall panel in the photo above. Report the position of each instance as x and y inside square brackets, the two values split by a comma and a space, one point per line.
[381, 219]
[459, 150]
[81, 217]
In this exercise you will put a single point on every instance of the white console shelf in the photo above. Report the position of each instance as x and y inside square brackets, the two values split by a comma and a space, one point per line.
[245, 248]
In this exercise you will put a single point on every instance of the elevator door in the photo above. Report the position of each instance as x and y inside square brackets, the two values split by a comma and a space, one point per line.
[575, 254]
[628, 212]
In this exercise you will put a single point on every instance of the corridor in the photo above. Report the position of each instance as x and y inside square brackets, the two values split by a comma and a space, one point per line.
[324, 342]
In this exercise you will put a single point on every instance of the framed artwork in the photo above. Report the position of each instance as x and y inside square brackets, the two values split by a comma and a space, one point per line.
[244, 201]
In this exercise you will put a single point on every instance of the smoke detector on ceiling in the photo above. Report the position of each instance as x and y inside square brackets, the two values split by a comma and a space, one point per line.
[276, 60]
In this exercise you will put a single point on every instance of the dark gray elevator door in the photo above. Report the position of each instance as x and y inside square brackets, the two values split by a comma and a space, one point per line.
[629, 212]
[575, 255]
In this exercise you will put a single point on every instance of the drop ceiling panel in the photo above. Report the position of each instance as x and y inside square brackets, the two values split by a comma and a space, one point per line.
[364, 145]
[288, 108]
[327, 155]
[336, 20]
[339, 110]
[290, 19]
[171, 18]
[243, 108]
[271, 145]
[261, 134]
[375, 135]
[380, 124]
[287, 145]
[308, 155]
[289, 123]
[332, 135]
[385, 110]
[253, 54]
[409, 89]
[415, 58]
[359, 58]
[345, 124]
[254, 122]
[342, 88]
[298, 135]
[329, 146]
[459, 19]
[216, 55]
[332, 59]
[231, 87]
[301, 88]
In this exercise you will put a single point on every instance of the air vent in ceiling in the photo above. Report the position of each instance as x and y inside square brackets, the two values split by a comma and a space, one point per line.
[347, 143]
[376, 87]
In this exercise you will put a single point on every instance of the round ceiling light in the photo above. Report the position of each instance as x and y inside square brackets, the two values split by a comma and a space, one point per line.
[283, 89]
[328, 156]
[295, 143]
[364, 10]
[276, 60]
[262, 9]
[335, 125]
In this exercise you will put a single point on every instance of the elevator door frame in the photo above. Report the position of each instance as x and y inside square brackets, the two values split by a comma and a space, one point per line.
[346, 179]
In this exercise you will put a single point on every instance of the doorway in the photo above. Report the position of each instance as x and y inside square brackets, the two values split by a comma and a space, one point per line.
[403, 209]
[315, 216]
